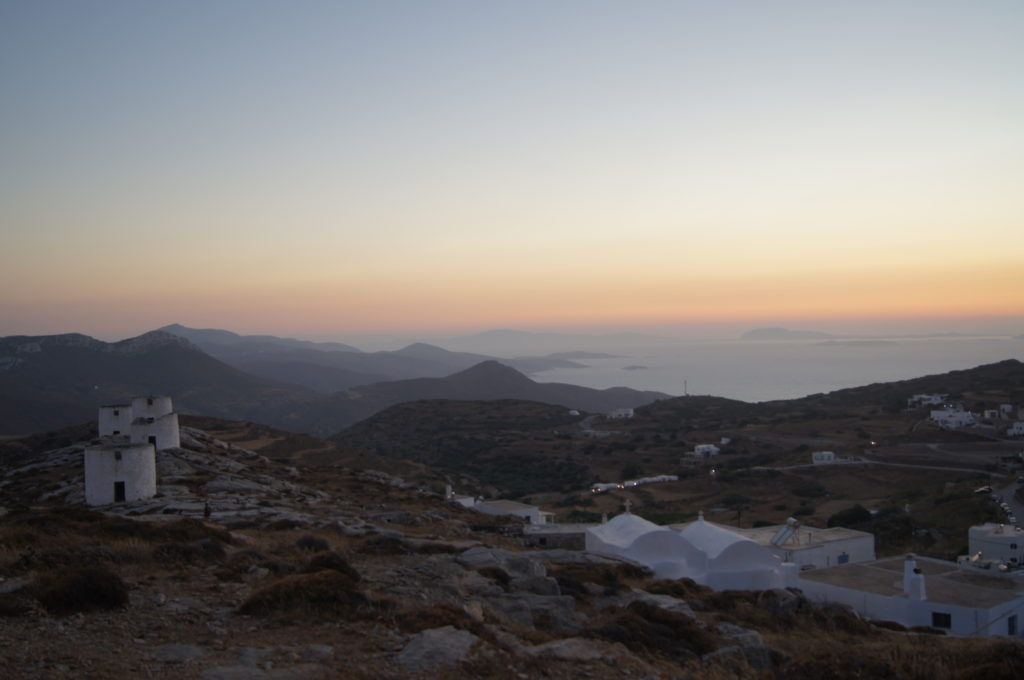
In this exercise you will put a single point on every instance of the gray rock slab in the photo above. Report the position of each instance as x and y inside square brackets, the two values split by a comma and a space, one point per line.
[569, 649]
[739, 635]
[514, 564]
[538, 585]
[234, 673]
[437, 647]
[733, 657]
[666, 602]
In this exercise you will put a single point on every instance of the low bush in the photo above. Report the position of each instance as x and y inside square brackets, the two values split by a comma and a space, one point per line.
[206, 550]
[68, 590]
[312, 543]
[333, 561]
[327, 593]
[642, 627]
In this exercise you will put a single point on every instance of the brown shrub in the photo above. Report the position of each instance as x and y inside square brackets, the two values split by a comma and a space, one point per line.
[312, 544]
[331, 560]
[384, 545]
[612, 577]
[51, 558]
[327, 593]
[642, 627]
[206, 550]
[683, 589]
[15, 604]
[68, 590]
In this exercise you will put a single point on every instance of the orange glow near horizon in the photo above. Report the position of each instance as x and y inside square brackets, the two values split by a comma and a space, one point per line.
[506, 169]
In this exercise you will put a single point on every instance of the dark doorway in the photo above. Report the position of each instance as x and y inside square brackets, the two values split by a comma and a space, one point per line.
[119, 492]
[152, 440]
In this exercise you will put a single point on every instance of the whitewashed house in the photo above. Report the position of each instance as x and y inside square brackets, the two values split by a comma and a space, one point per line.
[1016, 430]
[996, 543]
[823, 457]
[951, 419]
[531, 513]
[811, 547]
[921, 400]
[706, 450]
[916, 591]
[620, 414]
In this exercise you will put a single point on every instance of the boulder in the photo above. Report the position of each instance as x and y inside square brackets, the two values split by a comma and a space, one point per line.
[516, 565]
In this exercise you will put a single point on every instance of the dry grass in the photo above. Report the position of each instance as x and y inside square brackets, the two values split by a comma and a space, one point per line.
[325, 593]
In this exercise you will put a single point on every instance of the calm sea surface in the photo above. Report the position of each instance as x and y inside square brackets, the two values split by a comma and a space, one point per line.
[761, 371]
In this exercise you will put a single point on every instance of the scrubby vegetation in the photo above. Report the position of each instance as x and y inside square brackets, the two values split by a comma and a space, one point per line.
[325, 593]
[68, 590]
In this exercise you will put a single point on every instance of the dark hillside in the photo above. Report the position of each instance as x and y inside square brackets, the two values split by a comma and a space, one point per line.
[508, 444]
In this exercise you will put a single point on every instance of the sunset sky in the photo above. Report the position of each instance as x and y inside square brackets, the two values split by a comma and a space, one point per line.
[331, 169]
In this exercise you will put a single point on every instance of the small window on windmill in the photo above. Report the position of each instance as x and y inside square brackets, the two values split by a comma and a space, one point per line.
[117, 455]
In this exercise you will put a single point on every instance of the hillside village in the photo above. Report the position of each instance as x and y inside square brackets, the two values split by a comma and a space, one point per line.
[232, 563]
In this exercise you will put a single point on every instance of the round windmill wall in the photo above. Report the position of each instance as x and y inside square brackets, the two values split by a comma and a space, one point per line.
[115, 473]
[115, 419]
[161, 432]
[151, 406]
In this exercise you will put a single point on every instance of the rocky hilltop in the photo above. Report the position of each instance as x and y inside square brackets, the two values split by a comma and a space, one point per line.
[330, 572]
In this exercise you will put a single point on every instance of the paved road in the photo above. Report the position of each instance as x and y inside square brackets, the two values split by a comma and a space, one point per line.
[1015, 506]
[867, 461]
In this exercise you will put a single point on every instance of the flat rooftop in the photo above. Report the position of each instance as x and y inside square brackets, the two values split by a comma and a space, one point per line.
[511, 506]
[945, 582]
[557, 528]
[804, 538]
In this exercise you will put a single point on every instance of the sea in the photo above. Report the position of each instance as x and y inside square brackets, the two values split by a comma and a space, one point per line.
[756, 371]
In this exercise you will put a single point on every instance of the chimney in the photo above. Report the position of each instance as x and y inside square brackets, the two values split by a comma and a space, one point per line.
[913, 579]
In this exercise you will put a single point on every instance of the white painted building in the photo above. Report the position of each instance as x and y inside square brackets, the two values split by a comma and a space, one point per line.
[991, 542]
[710, 554]
[530, 513]
[920, 400]
[147, 419]
[115, 419]
[990, 414]
[119, 472]
[705, 450]
[620, 414]
[823, 457]
[952, 418]
[916, 591]
[1006, 410]
[811, 547]
[1016, 430]
[121, 466]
